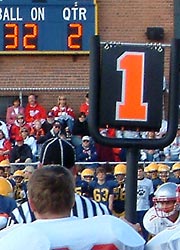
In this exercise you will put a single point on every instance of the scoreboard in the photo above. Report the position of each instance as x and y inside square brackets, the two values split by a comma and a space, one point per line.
[47, 26]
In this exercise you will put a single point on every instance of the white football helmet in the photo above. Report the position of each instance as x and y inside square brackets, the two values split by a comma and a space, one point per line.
[165, 199]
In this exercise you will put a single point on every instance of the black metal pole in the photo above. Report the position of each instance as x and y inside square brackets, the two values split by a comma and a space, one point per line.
[131, 184]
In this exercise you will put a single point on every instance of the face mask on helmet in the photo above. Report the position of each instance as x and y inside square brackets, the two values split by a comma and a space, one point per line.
[165, 208]
[165, 201]
[164, 175]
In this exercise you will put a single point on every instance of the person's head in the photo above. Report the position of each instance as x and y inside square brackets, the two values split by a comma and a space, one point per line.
[62, 100]
[153, 170]
[51, 192]
[56, 127]
[163, 172]
[140, 172]
[32, 99]
[20, 119]
[101, 174]
[16, 102]
[28, 171]
[165, 199]
[85, 141]
[37, 124]
[82, 116]
[19, 140]
[57, 151]
[87, 174]
[7, 168]
[24, 131]
[18, 176]
[176, 169]
[120, 172]
[50, 117]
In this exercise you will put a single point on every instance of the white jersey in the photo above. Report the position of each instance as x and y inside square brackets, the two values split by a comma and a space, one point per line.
[100, 232]
[144, 190]
[167, 239]
[154, 224]
[83, 208]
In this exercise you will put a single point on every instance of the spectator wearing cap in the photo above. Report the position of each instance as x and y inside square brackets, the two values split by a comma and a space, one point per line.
[16, 127]
[21, 152]
[48, 124]
[80, 129]
[86, 151]
[56, 131]
[13, 111]
[84, 107]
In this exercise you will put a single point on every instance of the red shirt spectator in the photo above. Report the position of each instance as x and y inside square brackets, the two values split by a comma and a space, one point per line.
[5, 147]
[85, 106]
[34, 111]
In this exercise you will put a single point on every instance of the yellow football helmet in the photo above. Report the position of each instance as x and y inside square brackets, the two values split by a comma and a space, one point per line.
[6, 188]
[18, 173]
[176, 166]
[163, 172]
[120, 169]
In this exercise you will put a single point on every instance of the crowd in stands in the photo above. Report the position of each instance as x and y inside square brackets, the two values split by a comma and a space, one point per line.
[28, 128]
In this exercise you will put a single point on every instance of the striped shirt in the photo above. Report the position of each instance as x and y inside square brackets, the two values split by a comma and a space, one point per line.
[83, 208]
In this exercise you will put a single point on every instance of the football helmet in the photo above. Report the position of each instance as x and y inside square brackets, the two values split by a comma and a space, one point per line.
[87, 174]
[6, 188]
[120, 169]
[153, 170]
[163, 172]
[176, 166]
[165, 199]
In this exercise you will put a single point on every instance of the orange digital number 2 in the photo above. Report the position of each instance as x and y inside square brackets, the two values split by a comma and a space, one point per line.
[32, 35]
[75, 36]
[131, 106]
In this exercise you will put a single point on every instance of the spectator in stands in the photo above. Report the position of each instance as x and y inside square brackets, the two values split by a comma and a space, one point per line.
[4, 128]
[5, 147]
[150, 154]
[21, 152]
[84, 107]
[64, 113]
[54, 132]
[34, 110]
[80, 129]
[48, 124]
[37, 131]
[13, 111]
[16, 127]
[29, 140]
[172, 152]
[86, 151]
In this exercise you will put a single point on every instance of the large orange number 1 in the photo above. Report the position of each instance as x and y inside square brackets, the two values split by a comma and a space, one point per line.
[131, 106]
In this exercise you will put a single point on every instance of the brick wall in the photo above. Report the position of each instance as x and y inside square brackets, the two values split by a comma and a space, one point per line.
[121, 20]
